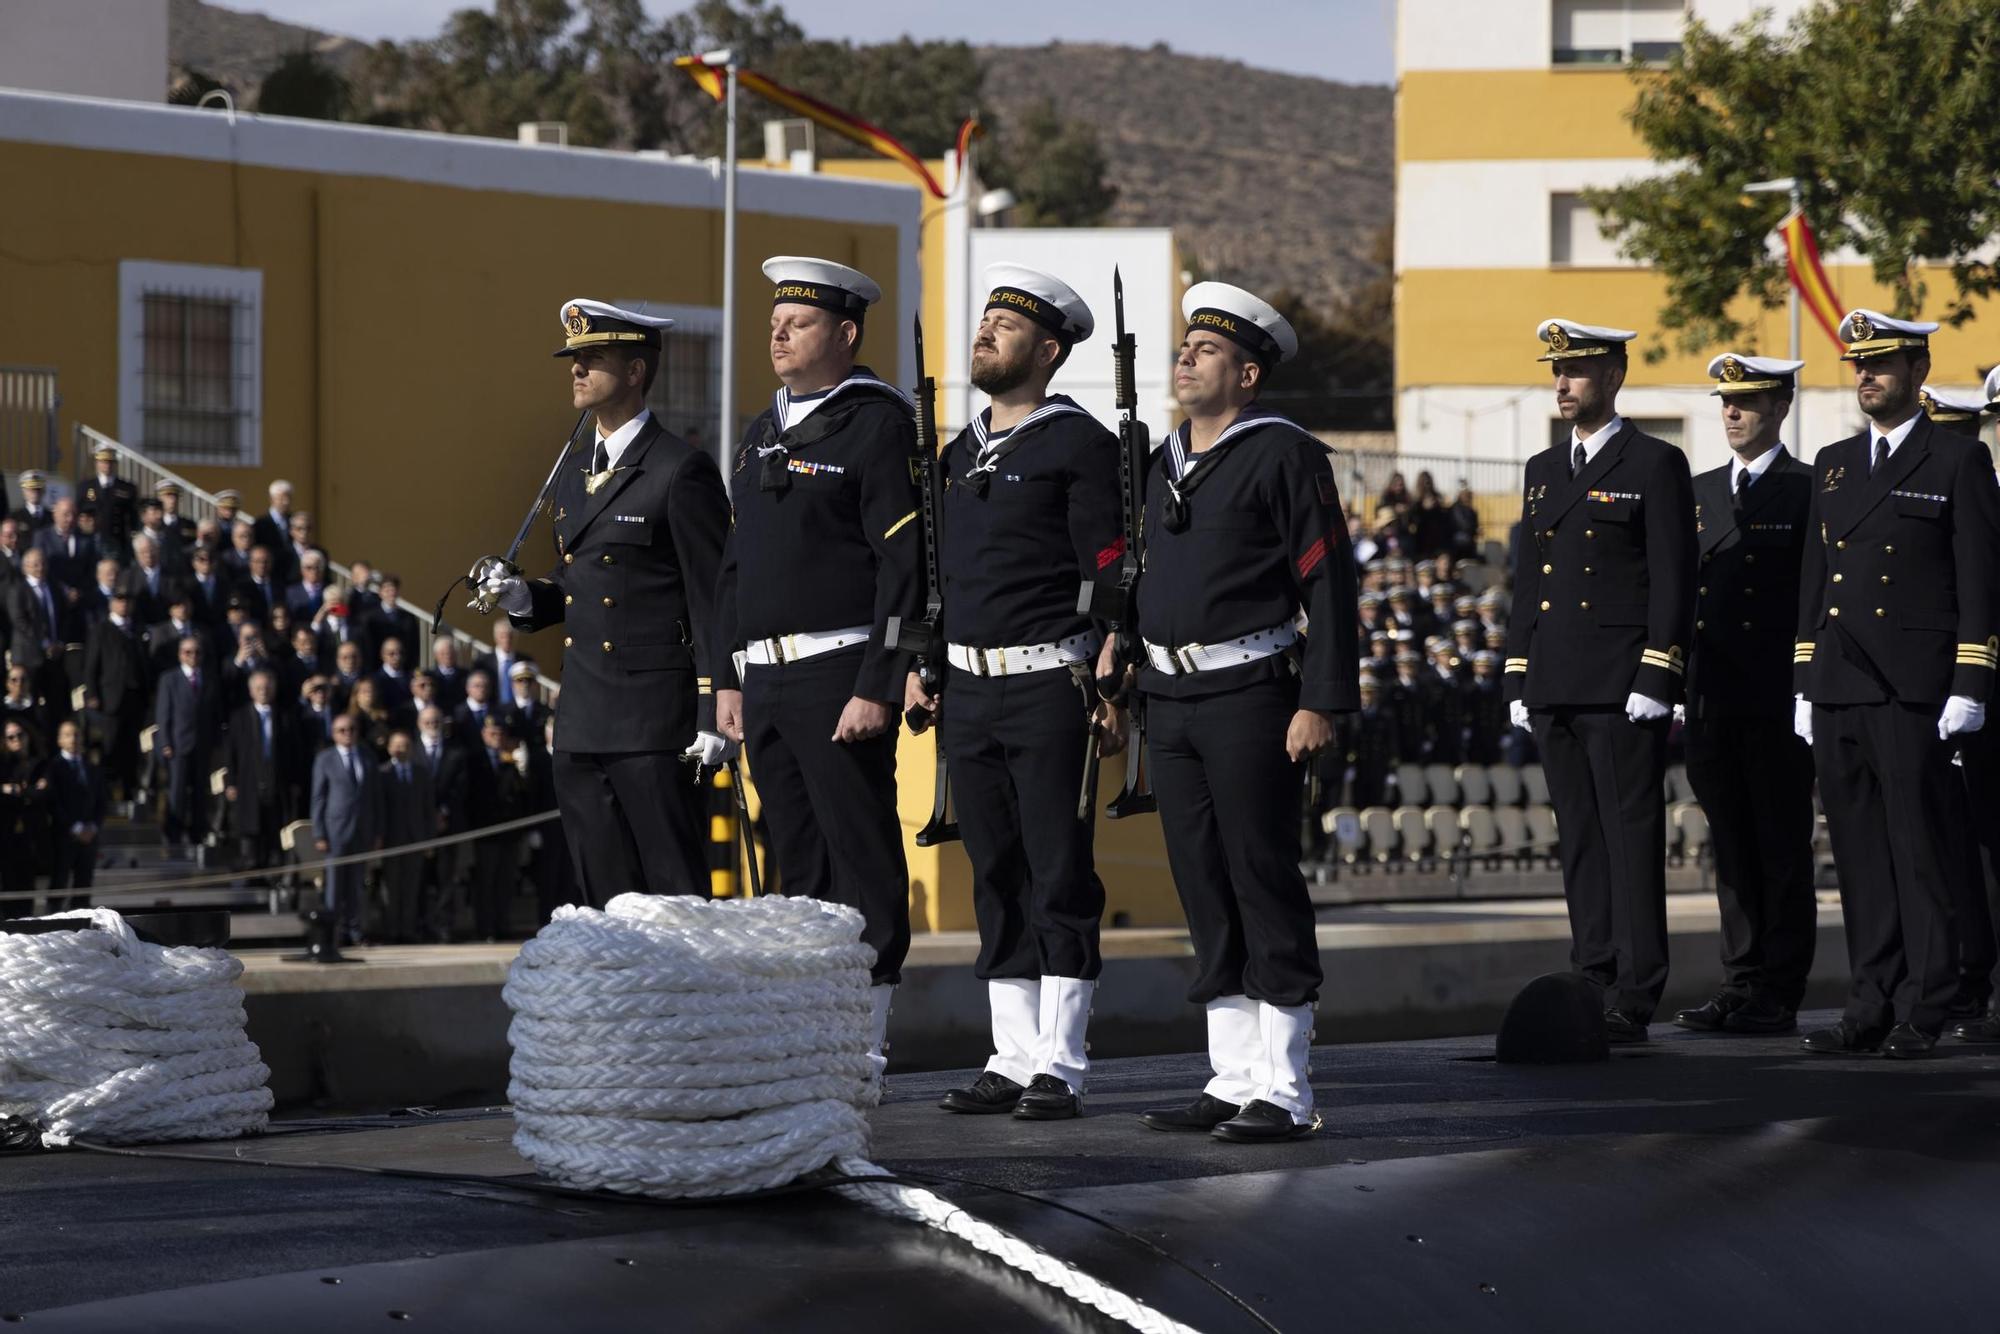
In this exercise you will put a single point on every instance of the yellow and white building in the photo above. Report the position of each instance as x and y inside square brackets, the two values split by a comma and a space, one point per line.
[1506, 111]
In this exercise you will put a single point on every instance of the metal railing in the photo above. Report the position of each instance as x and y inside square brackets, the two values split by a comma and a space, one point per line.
[197, 504]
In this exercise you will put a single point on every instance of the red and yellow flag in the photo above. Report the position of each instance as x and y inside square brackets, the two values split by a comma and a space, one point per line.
[1816, 294]
[710, 79]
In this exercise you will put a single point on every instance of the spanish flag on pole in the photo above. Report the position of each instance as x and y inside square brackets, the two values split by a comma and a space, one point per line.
[1809, 277]
[711, 81]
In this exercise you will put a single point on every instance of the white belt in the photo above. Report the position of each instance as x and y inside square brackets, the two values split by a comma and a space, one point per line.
[1026, 658]
[1230, 653]
[791, 648]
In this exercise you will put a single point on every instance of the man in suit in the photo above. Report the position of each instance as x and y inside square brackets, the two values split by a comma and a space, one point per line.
[347, 817]
[116, 686]
[95, 602]
[497, 792]
[347, 672]
[303, 598]
[264, 768]
[13, 542]
[113, 504]
[389, 621]
[499, 664]
[273, 528]
[316, 713]
[187, 716]
[445, 872]
[338, 624]
[23, 793]
[72, 553]
[392, 678]
[1752, 776]
[1894, 662]
[259, 587]
[207, 592]
[446, 673]
[1603, 613]
[409, 815]
[177, 527]
[37, 616]
[146, 580]
[468, 720]
[235, 562]
[76, 804]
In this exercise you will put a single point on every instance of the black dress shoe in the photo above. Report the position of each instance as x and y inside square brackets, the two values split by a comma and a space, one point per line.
[1847, 1038]
[1048, 1099]
[1262, 1122]
[1711, 1017]
[1762, 1016]
[1623, 1029]
[992, 1092]
[1986, 1028]
[1907, 1042]
[1204, 1113]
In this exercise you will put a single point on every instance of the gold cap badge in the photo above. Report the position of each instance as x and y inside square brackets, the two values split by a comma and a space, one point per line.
[1558, 338]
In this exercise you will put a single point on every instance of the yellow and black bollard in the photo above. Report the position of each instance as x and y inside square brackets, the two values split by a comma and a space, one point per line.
[722, 835]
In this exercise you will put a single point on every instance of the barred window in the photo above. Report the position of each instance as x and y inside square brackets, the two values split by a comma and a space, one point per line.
[191, 362]
[687, 393]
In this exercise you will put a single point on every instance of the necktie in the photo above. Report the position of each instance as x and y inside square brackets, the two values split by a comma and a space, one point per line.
[1881, 452]
[403, 773]
[354, 767]
[1576, 460]
[1743, 480]
[194, 682]
[599, 458]
[264, 726]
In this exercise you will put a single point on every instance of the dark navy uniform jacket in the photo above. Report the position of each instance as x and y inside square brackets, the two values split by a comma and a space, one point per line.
[1896, 600]
[634, 586]
[1604, 588]
[1747, 595]
[1266, 539]
[1011, 559]
[837, 542]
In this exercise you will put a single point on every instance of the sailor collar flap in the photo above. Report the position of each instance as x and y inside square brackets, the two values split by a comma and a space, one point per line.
[986, 455]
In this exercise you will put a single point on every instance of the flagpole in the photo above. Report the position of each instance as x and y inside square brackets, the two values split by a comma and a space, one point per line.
[726, 426]
[1790, 185]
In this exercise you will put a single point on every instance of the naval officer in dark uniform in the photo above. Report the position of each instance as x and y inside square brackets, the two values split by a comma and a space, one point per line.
[113, 503]
[827, 547]
[1245, 535]
[1596, 651]
[1893, 665]
[639, 517]
[1752, 776]
[1030, 510]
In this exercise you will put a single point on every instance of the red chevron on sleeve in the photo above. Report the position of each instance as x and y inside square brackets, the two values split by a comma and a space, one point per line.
[1314, 555]
[1111, 553]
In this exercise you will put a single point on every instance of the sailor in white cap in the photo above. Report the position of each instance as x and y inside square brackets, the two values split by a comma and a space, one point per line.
[639, 522]
[1030, 510]
[1753, 777]
[1246, 539]
[1596, 647]
[826, 548]
[1894, 662]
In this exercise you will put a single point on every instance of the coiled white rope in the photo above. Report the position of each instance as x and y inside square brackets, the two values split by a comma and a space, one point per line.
[111, 1037]
[684, 1047]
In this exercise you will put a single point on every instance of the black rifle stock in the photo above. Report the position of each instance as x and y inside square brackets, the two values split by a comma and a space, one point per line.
[924, 639]
[1117, 606]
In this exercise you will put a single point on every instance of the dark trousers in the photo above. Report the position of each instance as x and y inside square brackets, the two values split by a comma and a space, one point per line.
[1977, 907]
[121, 746]
[552, 872]
[1607, 779]
[187, 797]
[75, 867]
[1754, 779]
[1894, 806]
[17, 874]
[1015, 749]
[636, 823]
[829, 806]
[1229, 807]
[496, 873]
[345, 888]
[259, 847]
[402, 894]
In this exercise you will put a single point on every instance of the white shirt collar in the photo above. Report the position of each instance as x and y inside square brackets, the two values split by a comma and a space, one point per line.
[1895, 437]
[1756, 468]
[1597, 439]
[619, 440]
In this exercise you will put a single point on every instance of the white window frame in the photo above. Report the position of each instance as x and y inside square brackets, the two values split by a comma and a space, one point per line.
[1590, 218]
[1626, 40]
[137, 278]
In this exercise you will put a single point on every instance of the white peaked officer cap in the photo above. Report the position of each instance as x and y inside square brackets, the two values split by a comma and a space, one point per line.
[1993, 389]
[1041, 297]
[1951, 405]
[1870, 333]
[588, 323]
[804, 281]
[1735, 373]
[1567, 338]
[1243, 318]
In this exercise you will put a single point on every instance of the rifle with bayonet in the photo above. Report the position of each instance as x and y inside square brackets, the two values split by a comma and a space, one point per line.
[924, 639]
[1117, 606]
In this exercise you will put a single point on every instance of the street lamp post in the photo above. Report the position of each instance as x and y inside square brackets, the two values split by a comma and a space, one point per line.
[726, 423]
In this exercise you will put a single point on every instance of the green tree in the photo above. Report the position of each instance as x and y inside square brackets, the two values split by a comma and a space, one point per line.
[1887, 112]
[304, 85]
[1056, 168]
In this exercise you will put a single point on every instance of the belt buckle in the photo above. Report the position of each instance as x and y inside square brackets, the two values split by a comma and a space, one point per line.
[996, 663]
[1184, 656]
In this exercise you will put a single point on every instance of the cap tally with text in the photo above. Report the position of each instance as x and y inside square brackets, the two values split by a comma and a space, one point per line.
[1951, 405]
[1041, 297]
[1567, 339]
[1735, 373]
[588, 323]
[801, 280]
[1243, 318]
[1870, 333]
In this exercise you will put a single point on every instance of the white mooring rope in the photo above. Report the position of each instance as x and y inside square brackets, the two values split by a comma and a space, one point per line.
[108, 1036]
[684, 1047]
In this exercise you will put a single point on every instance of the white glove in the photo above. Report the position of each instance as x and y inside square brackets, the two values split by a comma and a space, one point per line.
[1517, 713]
[1961, 714]
[1802, 718]
[1681, 714]
[710, 749]
[508, 593]
[1644, 708]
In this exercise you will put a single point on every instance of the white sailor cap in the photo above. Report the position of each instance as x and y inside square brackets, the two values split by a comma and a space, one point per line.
[1993, 389]
[1567, 338]
[1735, 373]
[805, 281]
[1243, 318]
[1951, 405]
[1041, 297]
[1870, 333]
[588, 323]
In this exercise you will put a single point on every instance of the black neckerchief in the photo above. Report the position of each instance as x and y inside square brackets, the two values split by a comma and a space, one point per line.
[774, 474]
[1184, 470]
[986, 457]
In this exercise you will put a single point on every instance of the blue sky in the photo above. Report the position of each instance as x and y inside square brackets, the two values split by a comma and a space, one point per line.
[1350, 40]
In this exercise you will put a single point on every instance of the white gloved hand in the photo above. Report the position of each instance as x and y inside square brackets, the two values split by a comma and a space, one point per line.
[710, 749]
[1644, 708]
[509, 594]
[1961, 714]
[1681, 714]
[1802, 718]
[1517, 713]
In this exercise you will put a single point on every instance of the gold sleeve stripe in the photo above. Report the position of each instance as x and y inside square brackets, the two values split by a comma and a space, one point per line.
[897, 526]
[1515, 665]
[1654, 658]
[1974, 660]
[1984, 651]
